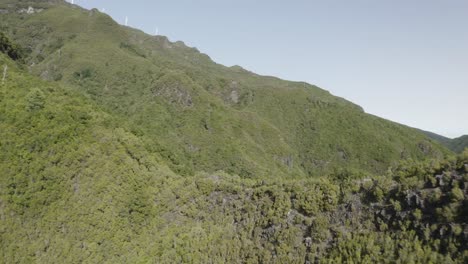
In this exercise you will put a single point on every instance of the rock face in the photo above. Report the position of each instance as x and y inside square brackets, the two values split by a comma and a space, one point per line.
[29, 7]
[30, 10]
[232, 92]
[43, 2]
[234, 97]
[174, 94]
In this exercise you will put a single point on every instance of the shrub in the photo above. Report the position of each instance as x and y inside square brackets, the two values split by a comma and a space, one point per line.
[35, 100]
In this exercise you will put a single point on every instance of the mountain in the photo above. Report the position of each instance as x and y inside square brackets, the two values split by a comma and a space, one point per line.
[78, 187]
[119, 147]
[457, 144]
[204, 116]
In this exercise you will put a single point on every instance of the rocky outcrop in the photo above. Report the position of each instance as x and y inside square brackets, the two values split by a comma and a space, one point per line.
[30, 10]
[175, 94]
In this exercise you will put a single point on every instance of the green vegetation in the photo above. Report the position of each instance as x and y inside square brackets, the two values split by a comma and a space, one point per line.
[201, 115]
[77, 187]
[118, 147]
[457, 145]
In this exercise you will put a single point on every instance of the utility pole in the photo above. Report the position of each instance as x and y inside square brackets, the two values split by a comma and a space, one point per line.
[5, 69]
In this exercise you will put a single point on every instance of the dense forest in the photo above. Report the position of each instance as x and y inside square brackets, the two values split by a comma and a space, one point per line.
[119, 147]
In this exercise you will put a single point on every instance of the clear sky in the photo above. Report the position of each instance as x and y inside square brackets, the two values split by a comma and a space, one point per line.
[404, 60]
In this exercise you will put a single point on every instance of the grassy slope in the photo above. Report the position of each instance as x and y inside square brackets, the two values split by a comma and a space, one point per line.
[204, 116]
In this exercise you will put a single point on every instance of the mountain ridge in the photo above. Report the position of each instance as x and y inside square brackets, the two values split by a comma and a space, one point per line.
[76, 187]
[121, 148]
[457, 145]
[137, 76]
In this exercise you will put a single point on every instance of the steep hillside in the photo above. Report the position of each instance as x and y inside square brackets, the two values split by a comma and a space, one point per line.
[62, 164]
[87, 173]
[199, 115]
[75, 187]
[443, 140]
[457, 145]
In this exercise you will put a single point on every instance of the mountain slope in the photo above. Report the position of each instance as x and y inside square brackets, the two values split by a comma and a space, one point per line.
[456, 145]
[459, 144]
[76, 187]
[79, 182]
[201, 115]
[62, 162]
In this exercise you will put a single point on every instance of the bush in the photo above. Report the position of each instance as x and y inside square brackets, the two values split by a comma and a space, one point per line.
[457, 194]
[83, 74]
[35, 100]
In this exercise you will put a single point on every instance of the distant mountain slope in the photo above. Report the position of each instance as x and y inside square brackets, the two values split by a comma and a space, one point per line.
[202, 115]
[443, 140]
[457, 144]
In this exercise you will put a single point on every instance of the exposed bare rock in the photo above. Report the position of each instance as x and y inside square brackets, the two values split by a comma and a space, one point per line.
[175, 93]
[234, 96]
[30, 10]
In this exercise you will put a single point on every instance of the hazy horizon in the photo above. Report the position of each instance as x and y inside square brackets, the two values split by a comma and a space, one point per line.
[406, 62]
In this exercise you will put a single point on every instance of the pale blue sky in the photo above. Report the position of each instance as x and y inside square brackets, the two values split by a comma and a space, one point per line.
[404, 60]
